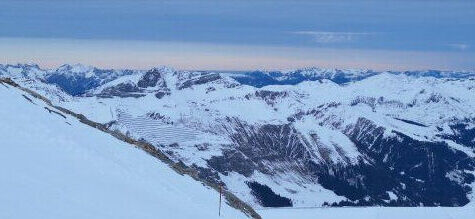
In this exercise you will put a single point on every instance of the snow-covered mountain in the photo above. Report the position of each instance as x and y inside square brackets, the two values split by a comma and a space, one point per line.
[339, 76]
[73, 79]
[305, 138]
[54, 166]
[77, 79]
[265, 78]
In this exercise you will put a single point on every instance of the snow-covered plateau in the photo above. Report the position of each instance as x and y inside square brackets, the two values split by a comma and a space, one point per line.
[295, 139]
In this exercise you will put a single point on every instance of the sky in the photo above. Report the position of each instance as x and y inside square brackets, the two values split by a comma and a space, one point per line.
[240, 35]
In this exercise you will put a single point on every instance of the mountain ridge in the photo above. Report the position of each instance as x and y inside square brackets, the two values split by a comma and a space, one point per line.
[179, 168]
[78, 79]
[388, 139]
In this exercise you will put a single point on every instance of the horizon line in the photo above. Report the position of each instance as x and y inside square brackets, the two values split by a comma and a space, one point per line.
[225, 70]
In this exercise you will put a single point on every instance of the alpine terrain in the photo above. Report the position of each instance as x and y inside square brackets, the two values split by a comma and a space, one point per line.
[302, 138]
[54, 166]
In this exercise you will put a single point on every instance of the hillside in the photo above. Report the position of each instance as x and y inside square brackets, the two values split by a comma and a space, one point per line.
[332, 137]
[53, 166]
[371, 213]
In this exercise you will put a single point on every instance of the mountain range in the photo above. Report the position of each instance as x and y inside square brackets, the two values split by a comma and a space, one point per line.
[302, 138]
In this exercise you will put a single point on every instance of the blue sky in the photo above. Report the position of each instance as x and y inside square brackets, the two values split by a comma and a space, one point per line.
[207, 34]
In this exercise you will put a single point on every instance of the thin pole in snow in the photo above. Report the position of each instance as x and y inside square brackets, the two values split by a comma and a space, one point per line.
[220, 191]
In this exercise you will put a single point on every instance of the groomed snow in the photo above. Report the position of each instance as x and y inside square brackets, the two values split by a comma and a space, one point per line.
[55, 167]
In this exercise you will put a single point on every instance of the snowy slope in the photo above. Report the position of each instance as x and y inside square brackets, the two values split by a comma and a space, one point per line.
[370, 213]
[285, 127]
[52, 166]
[373, 139]
[74, 79]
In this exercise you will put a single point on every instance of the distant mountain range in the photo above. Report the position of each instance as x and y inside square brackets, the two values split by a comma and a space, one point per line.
[308, 137]
[77, 79]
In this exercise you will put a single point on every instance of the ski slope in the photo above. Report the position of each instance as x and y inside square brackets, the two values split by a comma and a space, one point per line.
[53, 166]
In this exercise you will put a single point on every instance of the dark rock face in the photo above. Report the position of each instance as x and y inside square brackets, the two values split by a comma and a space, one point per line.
[232, 161]
[79, 83]
[121, 90]
[161, 94]
[419, 169]
[210, 89]
[462, 134]
[74, 86]
[267, 197]
[152, 78]
[202, 79]
[270, 97]
[417, 172]
[279, 144]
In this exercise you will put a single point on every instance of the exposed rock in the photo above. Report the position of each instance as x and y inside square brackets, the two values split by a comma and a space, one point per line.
[203, 79]
[152, 78]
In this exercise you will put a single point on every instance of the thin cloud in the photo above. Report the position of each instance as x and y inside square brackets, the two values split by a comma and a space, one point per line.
[459, 46]
[333, 37]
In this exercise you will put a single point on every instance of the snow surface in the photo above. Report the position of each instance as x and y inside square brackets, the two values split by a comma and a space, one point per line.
[370, 213]
[55, 167]
[196, 116]
[320, 108]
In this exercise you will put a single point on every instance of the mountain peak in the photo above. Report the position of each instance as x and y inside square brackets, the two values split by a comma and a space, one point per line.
[162, 69]
[75, 68]
[22, 66]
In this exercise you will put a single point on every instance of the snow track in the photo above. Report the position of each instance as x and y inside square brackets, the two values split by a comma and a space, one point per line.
[154, 131]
